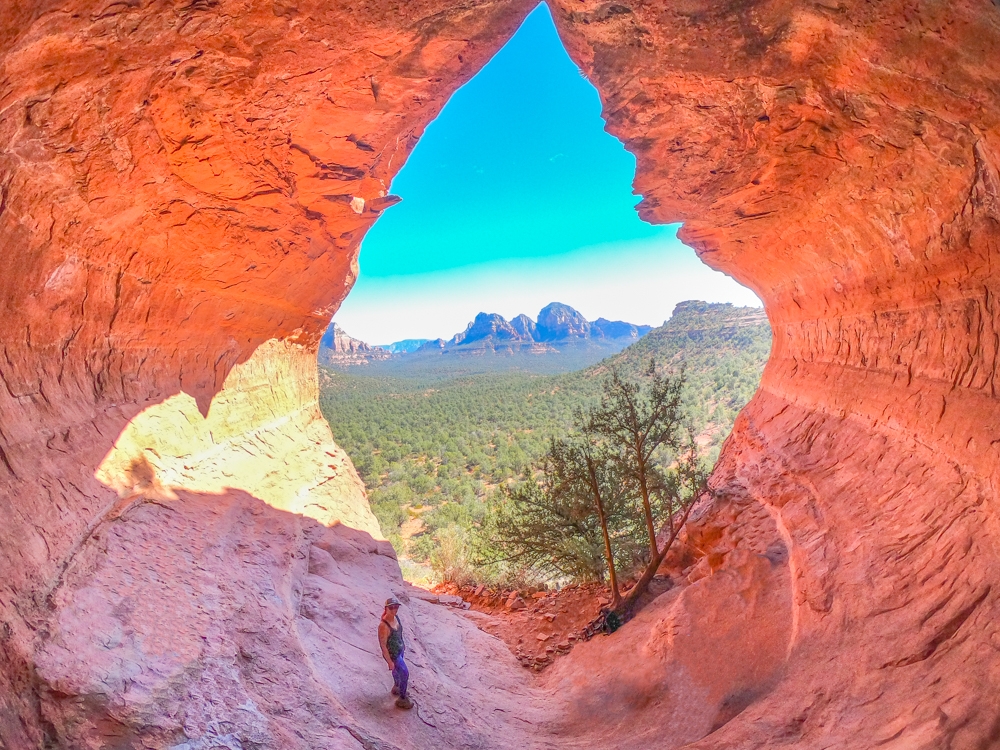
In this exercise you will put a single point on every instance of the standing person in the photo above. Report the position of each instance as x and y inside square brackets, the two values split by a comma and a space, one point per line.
[390, 638]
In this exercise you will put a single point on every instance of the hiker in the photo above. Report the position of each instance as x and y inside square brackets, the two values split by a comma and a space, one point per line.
[390, 638]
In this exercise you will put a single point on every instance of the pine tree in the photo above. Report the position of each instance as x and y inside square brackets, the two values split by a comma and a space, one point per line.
[640, 429]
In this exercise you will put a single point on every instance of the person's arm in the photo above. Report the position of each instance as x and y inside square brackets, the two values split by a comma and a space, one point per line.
[383, 641]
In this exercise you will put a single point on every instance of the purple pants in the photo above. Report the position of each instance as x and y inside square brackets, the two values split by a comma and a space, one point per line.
[400, 675]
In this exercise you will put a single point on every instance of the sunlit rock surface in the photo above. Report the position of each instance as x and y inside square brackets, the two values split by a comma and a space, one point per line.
[183, 186]
[263, 434]
[183, 189]
[841, 160]
[339, 349]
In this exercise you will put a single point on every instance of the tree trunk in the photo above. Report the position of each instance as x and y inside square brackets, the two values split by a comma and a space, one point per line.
[616, 596]
[625, 608]
[647, 508]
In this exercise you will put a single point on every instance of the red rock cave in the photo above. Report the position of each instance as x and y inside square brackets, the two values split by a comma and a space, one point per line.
[188, 560]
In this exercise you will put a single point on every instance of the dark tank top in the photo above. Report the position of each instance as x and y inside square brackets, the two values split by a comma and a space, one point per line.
[394, 643]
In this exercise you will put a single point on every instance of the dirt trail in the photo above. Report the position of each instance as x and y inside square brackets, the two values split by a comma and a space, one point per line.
[510, 669]
[282, 634]
[542, 625]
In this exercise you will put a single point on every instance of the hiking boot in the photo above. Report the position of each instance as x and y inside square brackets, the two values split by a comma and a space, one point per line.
[404, 703]
[395, 690]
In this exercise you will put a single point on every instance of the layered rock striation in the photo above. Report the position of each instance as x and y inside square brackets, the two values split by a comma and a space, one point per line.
[337, 348]
[841, 161]
[183, 190]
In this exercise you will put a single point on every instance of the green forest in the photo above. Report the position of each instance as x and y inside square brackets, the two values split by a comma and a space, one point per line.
[432, 446]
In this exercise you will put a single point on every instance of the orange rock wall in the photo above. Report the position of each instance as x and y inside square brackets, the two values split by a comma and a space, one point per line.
[841, 159]
[183, 189]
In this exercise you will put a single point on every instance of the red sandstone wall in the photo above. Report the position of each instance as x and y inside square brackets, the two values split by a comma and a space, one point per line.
[176, 189]
[183, 189]
[841, 159]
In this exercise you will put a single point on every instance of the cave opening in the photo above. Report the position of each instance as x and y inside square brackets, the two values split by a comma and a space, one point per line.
[516, 199]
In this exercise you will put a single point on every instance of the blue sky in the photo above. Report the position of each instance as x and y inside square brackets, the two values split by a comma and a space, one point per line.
[515, 197]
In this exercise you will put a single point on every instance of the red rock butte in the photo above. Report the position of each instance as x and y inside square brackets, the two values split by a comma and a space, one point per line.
[188, 560]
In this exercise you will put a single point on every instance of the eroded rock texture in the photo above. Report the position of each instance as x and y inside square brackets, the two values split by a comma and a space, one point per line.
[841, 160]
[183, 187]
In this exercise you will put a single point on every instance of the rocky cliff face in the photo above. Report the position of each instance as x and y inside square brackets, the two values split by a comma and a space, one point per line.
[525, 327]
[337, 348]
[618, 329]
[183, 184]
[487, 326]
[183, 188]
[558, 321]
[557, 324]
[841, 161]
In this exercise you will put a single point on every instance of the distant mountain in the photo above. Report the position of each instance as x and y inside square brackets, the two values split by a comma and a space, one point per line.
[557, 326]
[559, 322]
[337, 348]
[405, 346]
[700, 335]
[618, 329]
[525, 326]
[561, 340]
[487, 327]
[431, 346]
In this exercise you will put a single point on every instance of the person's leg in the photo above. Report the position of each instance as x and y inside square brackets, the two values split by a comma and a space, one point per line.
[400, 675]
[396, 675]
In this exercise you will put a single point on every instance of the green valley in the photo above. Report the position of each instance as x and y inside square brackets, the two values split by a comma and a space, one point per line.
[432, 441]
